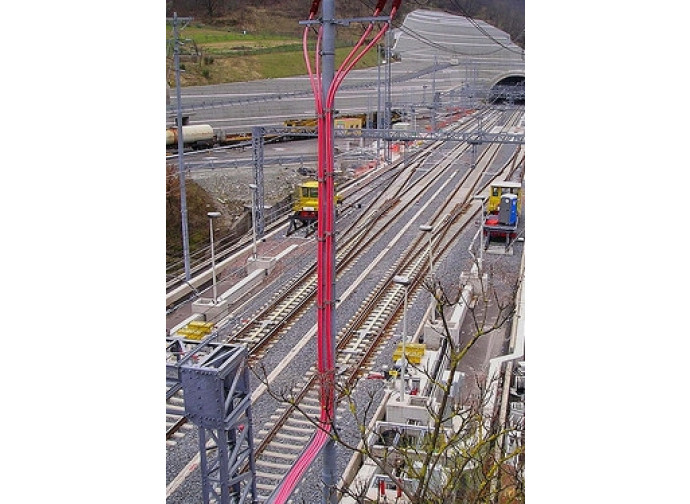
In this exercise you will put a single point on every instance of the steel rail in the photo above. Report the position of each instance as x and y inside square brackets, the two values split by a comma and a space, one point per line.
[414, 266]
[354, 247]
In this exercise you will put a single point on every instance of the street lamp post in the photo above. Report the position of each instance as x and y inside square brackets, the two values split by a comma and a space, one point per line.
[427, 229]
[253, 187]
[211, 216]
[405, 282]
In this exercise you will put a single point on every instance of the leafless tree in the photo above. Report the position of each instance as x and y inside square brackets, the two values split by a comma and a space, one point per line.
[453, 457]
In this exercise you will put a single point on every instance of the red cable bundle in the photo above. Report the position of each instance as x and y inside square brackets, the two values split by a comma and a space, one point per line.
[326, 234]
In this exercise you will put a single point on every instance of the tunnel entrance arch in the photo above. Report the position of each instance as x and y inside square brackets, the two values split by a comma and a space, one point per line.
[508, 88]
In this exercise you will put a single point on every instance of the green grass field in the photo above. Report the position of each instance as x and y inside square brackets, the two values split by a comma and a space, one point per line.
[213, 55]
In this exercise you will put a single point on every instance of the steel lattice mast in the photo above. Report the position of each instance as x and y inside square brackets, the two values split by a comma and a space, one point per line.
[217, 399]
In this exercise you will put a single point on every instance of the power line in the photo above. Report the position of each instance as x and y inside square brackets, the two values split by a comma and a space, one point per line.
[482, 30]
[472, 20]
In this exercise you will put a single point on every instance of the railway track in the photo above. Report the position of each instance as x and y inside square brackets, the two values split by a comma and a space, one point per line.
[285, 436]
[280, 440]
[354, 192]
[291, 302]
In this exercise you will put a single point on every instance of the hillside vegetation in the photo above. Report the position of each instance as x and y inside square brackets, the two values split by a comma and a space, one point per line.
[199, 202]
[213, 55]
[283, 16]
[244, 40]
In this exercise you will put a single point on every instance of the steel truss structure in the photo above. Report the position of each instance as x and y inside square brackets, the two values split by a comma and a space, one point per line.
[480, 137]
[474, 138]
[218, 401]
[258, 158]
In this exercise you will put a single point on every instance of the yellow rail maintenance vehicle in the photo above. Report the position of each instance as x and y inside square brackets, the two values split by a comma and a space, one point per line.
[498, 189]
[306, 205]
[503, 213]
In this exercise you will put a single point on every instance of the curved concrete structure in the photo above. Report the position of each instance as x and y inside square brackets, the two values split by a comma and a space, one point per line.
[468, 53]
[486, 53]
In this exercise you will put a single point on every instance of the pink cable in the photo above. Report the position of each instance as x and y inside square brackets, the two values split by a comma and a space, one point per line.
[315, 85]
[349, 62]
[317, 59]
[312, 77]
[326, 160]
[353, 51]
[322, 273]
[325, 237]
[341, 74]
[301, 466]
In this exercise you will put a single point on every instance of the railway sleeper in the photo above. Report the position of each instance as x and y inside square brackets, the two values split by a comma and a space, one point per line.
[302, 421]
[270, 476]
[313, 407]
[261, 486]
[297, 429]
[274, 465]
[285, 446]
[292, 437]
[278, 455]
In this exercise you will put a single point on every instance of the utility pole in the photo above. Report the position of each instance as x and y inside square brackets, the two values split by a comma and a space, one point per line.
[325, 86]
[379, 122]
[329, 476]
[388, 112]
[433, 97]
[180, 147]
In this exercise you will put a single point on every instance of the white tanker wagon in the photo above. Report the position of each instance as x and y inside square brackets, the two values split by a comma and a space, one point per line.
[197, 135]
